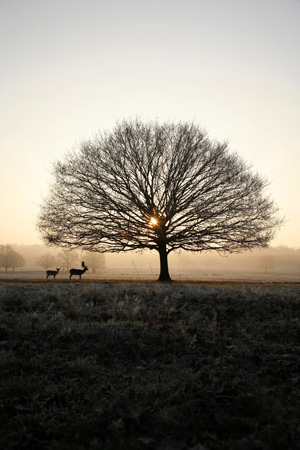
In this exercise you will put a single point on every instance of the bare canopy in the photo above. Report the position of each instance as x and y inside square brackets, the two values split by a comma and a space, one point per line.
[156, 186]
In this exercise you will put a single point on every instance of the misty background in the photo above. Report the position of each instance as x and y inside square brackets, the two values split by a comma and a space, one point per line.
[278, 261]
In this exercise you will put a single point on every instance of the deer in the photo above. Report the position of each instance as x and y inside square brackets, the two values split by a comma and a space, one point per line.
[52, 272]
[78, 271]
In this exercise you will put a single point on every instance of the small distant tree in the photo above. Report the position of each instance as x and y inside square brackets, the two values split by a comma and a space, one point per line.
[47, 260]
[67, 259]
[94, 261]
[9, 258]
[162, 187]
[18, 261]
[267, 262]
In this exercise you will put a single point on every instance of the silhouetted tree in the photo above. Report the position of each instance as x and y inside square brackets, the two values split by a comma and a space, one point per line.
[94, 261]
[47, 260]
[161, 187]
[9, 258]
[67, 259]
[267, 262]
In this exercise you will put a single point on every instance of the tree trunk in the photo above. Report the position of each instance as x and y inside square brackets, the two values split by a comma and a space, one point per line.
[164, 270]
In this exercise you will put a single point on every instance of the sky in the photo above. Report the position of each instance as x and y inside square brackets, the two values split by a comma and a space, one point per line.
[69, 68]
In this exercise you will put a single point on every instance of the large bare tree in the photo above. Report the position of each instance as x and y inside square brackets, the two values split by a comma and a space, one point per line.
[160, 187]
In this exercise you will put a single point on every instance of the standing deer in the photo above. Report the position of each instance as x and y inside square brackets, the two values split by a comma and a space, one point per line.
[52, 272]
[78, 271]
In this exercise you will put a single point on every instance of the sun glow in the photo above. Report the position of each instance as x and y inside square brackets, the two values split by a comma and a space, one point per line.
[153, 221]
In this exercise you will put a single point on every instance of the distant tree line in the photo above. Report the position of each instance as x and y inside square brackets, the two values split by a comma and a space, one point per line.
[272, 259]
[10, 259]
[71, 259]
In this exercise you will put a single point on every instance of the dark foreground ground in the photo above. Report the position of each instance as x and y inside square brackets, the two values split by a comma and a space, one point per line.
[145, 366]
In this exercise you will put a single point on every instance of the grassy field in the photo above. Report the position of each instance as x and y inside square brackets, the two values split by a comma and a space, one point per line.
[95, 365]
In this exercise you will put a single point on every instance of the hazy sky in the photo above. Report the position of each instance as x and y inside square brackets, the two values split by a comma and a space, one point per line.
[71, 67]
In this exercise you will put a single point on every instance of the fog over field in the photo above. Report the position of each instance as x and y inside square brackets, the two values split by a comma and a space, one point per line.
[271, 263]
